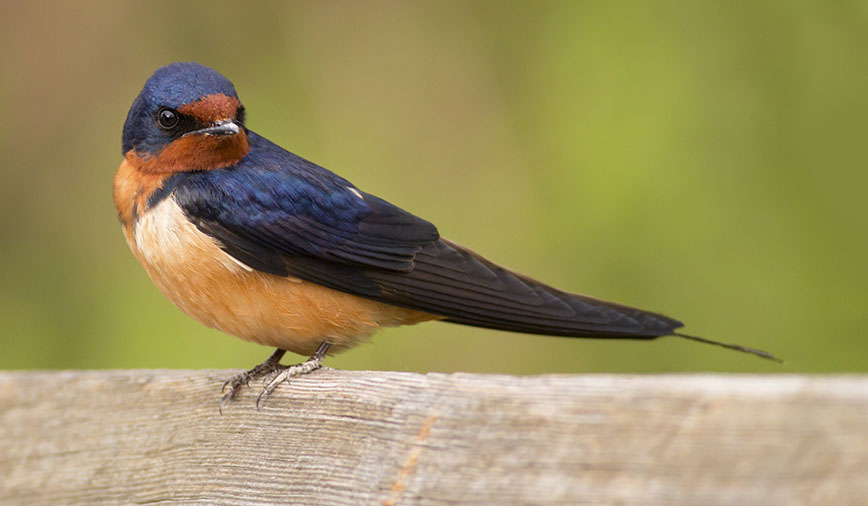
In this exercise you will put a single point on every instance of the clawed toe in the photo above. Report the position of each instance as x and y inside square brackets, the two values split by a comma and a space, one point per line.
[226, 397]
[237, 382]
[285, 372]
[275, 379]
[273, 374]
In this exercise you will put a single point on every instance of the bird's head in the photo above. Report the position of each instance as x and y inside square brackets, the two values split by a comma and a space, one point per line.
[186, 118]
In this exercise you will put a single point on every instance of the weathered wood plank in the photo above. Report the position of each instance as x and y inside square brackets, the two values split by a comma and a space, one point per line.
[341, 437]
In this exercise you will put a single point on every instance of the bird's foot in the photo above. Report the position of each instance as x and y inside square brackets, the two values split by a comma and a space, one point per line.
[235, 383]
[284, 372]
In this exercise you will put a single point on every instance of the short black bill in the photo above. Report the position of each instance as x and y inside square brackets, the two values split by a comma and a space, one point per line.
[220, 128]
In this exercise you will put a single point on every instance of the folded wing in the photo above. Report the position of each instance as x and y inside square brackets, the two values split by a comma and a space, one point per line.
[283, 215]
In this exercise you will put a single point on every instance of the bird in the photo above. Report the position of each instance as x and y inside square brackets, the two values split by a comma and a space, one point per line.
[262, 244]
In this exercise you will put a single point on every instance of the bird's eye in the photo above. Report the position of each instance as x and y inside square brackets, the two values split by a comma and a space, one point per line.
[167, 118]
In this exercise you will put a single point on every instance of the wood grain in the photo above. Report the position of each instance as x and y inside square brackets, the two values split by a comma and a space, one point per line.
[353, 437]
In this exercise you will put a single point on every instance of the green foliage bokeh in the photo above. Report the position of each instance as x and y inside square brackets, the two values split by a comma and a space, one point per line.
[704, 160]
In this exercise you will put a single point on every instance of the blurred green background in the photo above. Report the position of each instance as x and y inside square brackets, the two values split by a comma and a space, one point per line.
[705, 160]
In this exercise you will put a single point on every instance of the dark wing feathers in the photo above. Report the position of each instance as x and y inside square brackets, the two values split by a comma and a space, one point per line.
[469, 289]
[253, 254]
[285, 204]
[281, 214]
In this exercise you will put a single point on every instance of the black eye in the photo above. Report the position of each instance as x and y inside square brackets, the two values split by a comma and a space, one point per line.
[167, 118]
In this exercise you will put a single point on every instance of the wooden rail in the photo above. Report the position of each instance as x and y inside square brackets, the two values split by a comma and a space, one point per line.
[388, 438]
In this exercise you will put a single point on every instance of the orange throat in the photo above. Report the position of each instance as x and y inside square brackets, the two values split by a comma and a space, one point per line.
[131, 191]
[139, 176]
[193, 153]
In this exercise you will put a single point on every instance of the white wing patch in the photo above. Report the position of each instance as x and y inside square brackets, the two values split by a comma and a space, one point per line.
[355, 192]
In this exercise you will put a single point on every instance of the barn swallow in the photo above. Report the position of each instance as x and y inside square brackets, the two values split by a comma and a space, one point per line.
[253, 240]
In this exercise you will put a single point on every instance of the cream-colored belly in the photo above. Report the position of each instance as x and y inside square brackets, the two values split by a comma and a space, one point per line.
[214, 288]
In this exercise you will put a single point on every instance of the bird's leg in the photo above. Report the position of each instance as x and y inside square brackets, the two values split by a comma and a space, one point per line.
[284, 372]
[235, 383]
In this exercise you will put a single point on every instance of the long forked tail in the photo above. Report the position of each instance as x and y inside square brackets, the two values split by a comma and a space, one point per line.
[737, 347]
[465, 288]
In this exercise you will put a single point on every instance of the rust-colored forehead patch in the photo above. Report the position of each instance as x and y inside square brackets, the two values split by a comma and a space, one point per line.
[211, 108]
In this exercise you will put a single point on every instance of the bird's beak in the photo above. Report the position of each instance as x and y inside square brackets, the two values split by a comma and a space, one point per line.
[219, 128]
